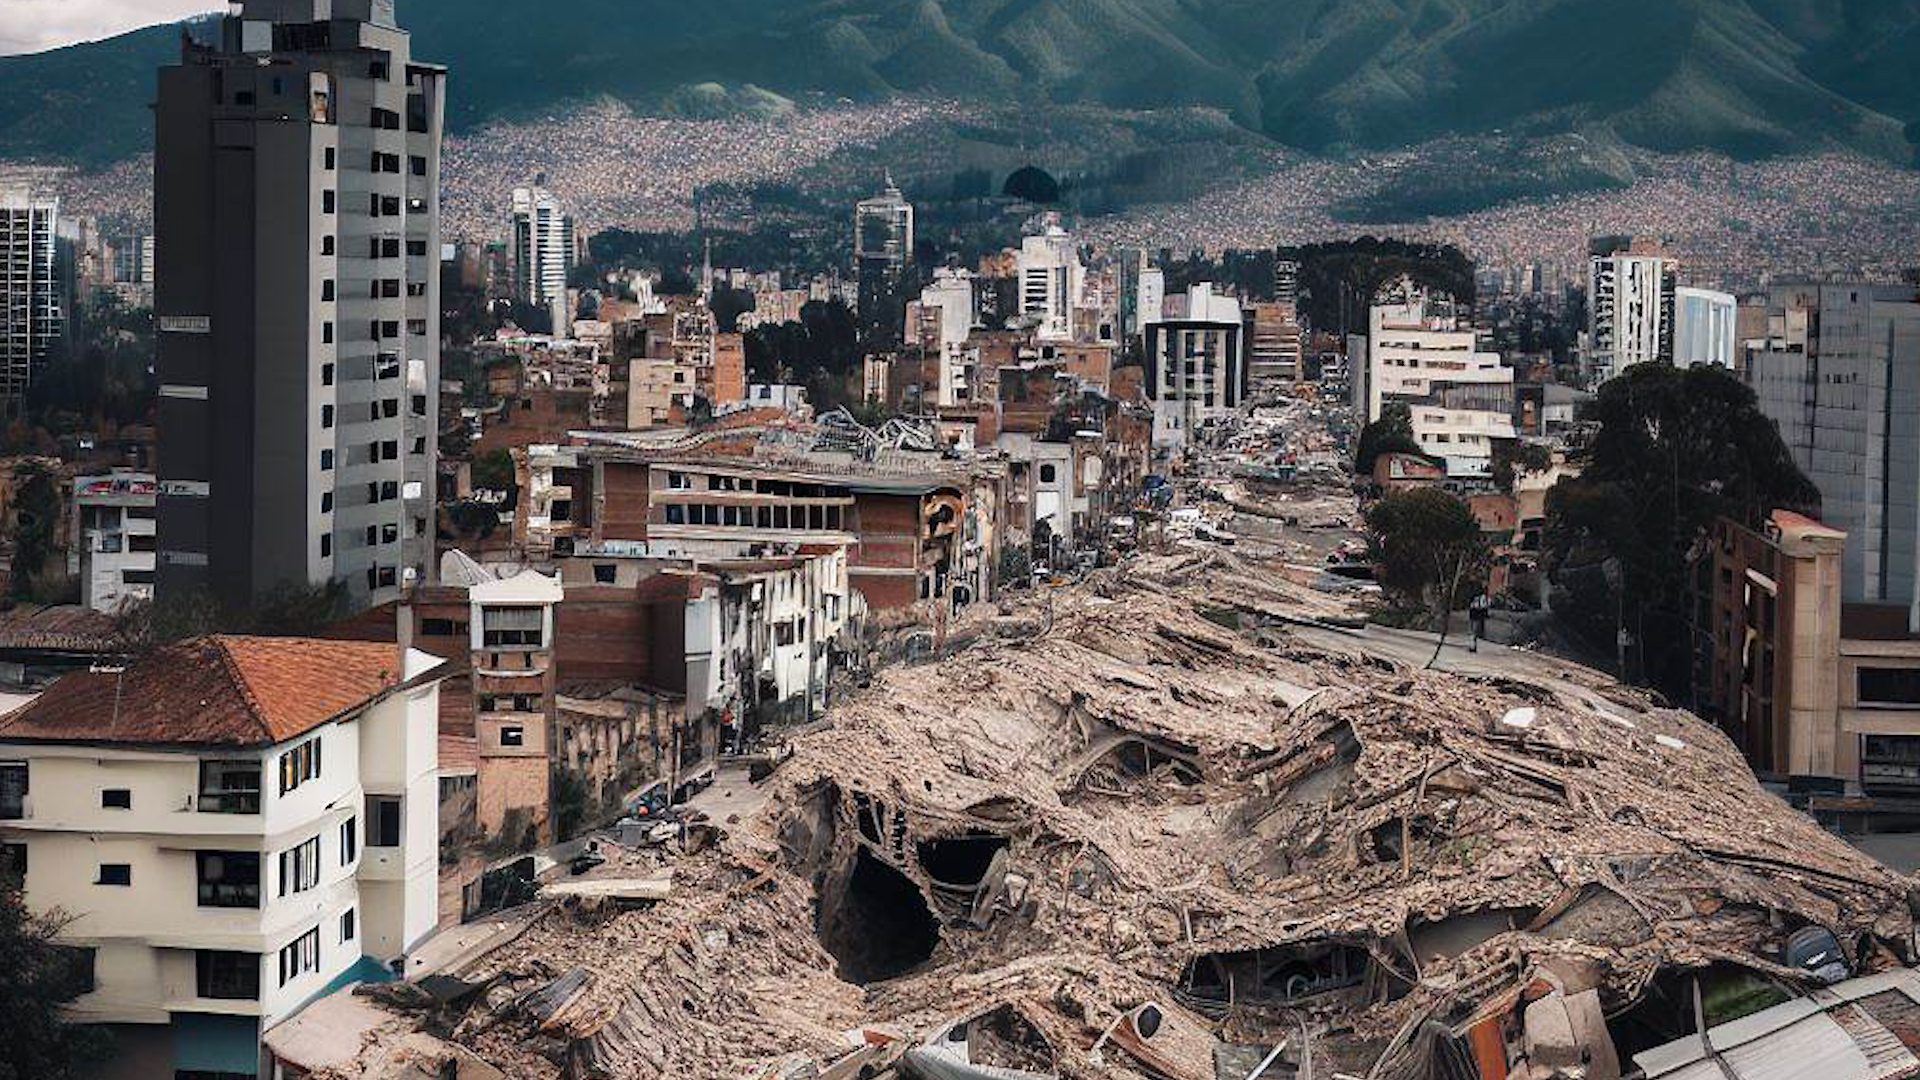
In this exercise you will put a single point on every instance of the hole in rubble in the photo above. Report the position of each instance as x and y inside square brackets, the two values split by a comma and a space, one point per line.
[1664, 1012]
[1002, 1039]
[877, 925]
[1283, 975]
[959, 860]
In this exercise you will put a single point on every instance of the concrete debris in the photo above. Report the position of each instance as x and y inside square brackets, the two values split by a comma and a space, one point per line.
[1174, 811]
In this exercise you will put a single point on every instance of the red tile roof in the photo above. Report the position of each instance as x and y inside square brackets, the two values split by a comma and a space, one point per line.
[212, 691]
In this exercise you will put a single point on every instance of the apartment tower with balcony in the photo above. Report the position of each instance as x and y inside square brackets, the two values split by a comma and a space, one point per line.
[296, 205]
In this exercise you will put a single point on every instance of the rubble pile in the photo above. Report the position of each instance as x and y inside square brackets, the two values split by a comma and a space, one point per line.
[1150, 830]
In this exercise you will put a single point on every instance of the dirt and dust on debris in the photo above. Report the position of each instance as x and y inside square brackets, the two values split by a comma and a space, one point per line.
[1175, 821]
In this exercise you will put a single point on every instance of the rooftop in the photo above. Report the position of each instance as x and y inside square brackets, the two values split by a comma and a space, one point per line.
[212, 691]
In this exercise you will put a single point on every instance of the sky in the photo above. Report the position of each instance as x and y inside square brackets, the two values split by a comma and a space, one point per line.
[33, 25]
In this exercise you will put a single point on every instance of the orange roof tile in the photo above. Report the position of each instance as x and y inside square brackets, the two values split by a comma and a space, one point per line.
[212, 691]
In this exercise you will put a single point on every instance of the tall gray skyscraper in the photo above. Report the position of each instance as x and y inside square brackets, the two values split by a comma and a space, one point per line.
[296, 204]
[882, 247]
[31, 316]
[1839, 372]
[542, 247]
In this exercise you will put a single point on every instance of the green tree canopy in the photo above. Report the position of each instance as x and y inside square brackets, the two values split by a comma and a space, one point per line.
[1032, 184]
[1426, 548]
[37, 976]
[1677, 448]
[1391, 434]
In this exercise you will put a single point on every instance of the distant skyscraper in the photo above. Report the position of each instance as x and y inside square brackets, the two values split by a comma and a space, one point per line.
[296, 205]
[1286, 281]
[1051, 279]
[1630, 294]
[31, 315]
[1704, 327]
[882, 247]
[542, 248]
[1839, 373]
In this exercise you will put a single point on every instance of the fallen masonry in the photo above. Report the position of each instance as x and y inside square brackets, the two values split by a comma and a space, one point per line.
[1161, 825]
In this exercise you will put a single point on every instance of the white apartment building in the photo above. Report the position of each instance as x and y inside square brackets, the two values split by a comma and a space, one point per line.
[1704, 327]
[1630, 298]
[948, 311]
[235, 827]
[1461, 398]
[759, 631]
[1051, 281]
[543, 249]
[1196, 366]
[31, 318]
[113, 551]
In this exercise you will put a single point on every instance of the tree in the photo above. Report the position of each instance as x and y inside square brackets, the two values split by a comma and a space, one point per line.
[36, 511]
[1677, 449]
[37, 977]
[1426, 547]
[493, 471]
[1032, 184]
[1513, 459]
[1391, 434]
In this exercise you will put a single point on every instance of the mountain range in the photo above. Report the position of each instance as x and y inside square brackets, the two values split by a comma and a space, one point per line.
[1749, 78]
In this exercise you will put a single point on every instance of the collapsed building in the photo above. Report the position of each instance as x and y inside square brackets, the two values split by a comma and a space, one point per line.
[1162, 825]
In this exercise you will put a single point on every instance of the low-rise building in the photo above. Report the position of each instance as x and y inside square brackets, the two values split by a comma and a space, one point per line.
[1804, 683]
[233, 827]
[113, 552]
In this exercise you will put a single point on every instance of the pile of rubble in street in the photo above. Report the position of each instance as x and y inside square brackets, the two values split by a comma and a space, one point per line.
[1141, 827]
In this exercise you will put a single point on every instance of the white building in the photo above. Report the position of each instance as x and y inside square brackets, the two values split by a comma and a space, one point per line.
[543, 249]
[785, 396]
[1051, 281]
[1153, 296]
[113, 550]
[1461, 398]
[1630, 298]
[1196, 366]
[949, 308]
[234, 827]
[31, 318]
[1704, 327]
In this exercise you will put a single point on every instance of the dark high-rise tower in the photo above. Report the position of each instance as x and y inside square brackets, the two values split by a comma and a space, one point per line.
[296, 205]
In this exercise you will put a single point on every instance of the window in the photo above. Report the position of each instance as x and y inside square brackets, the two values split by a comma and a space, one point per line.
[346, 926]
[387, 163]
[326, 502]
[326, 461]
[115, 873]
[229, 879]
[328, 157]
[326, 338]
[300, 956]
[442, 628]
[1047, 474]
[605, 573]
[13, 862]
[1889, 686]
[328, 198]
[326, 545]
[385, 119]
[676, 515]
[326, 245]
[326, 416]
[512, 627]
[326, 290]
[418, 165]
[383, 821]
[116, 798]
[300, 867]
[229, 787]
[13, 790]
[226, 976]
[513, 736]
[349, 840]
[416, 248]
[299, 765]
[326, 370]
